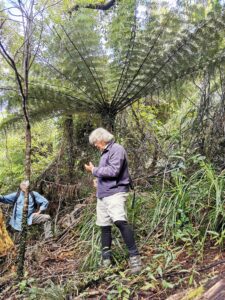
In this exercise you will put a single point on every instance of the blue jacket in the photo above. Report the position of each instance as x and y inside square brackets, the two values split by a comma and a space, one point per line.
[16, 219]
[112, 171]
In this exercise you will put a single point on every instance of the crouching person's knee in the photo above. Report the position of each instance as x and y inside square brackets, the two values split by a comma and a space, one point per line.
[47, 217]
[40, 218]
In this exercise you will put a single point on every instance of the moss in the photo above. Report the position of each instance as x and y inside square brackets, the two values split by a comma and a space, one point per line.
[5, 241]
[193, 294]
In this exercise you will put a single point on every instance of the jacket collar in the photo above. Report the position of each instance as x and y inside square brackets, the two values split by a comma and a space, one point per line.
[108, 146]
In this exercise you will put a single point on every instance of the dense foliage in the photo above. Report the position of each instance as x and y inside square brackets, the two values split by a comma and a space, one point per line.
[154, 73]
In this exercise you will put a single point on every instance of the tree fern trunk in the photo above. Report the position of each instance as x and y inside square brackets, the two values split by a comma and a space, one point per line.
[69, 137]
[108, 121]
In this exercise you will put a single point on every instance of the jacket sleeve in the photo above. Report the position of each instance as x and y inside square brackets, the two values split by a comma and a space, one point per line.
[8, 199]
[42, 201]
[115, 163]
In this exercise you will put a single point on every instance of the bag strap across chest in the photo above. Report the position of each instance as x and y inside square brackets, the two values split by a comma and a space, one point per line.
[16, 198]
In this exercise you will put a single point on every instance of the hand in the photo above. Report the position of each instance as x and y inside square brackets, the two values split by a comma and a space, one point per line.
[36, 213]
[89, 167]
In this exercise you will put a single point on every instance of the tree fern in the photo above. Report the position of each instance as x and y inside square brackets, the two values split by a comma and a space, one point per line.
[103, 68]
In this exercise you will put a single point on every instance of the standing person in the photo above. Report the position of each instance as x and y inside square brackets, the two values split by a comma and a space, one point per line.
[113, 182]
[37, 204]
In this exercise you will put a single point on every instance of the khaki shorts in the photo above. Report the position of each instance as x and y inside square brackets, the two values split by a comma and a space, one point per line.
[111, 209]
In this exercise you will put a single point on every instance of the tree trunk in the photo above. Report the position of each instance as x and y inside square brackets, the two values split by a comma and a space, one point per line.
[25, 95]
[23, 236]
[69, 139]
[108, 121]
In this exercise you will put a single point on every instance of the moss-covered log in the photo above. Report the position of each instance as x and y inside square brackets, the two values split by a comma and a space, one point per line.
[5, 241]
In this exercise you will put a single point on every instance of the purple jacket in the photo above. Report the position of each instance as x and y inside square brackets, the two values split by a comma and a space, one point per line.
[112, 172]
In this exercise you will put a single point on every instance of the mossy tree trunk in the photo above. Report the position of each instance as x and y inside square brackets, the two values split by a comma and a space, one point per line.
[28, 28]
[22, 78]
[23, 236]
[69, 144]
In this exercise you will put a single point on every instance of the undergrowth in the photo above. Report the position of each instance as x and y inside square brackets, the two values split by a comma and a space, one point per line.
[173, 223]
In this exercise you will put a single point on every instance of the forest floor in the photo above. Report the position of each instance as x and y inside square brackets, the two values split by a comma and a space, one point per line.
[54, 271]
[55, 263]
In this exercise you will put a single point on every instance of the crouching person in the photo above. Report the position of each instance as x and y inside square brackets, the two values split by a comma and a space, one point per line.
[113, 183]
[37, 204]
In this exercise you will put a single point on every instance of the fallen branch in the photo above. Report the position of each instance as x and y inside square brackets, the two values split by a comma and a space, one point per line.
[172, 274]
[93, 6]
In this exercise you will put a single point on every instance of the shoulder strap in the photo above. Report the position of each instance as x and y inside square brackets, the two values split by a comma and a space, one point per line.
[33, 196]
[15, 201]
[34, 199]
[17, 196]
[31, 193]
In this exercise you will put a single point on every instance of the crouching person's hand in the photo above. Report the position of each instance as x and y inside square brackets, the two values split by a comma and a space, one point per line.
[36, 213]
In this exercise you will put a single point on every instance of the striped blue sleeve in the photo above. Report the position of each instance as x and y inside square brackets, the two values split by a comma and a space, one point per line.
[8, 199]
[42, 201]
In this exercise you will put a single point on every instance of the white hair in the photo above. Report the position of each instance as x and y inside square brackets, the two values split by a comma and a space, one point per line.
[100, 134]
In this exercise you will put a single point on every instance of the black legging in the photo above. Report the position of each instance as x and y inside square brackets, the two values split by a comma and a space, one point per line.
[128, 237]
[106, 241]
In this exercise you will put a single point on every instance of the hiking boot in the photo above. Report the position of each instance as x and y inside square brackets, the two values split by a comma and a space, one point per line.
[135, 264]
[48, 230]
[107, 262]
